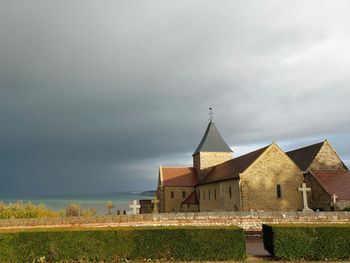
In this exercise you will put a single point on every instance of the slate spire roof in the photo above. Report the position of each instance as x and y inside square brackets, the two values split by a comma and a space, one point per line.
[212, 141]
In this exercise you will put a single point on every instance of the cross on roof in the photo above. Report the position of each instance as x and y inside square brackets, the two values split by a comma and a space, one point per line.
[304, 190]
[211, 113]
[135, 207]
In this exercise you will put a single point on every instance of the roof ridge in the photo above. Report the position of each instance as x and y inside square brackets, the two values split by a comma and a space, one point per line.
[237, 163]
[177, 167]
[307, 146]
[303, 157]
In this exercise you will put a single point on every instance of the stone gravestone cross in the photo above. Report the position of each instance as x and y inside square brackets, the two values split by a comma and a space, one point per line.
[135, 208]
[334, 199]
[155, 202]
[334, 202]
[304, 189]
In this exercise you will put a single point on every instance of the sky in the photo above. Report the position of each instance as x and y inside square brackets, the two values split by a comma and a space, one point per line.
[96, 95]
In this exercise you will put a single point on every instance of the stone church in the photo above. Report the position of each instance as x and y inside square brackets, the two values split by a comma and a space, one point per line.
[263, 180]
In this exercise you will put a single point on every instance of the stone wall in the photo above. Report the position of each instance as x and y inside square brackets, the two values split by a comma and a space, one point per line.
[190, 208]
[259, 183]
[327, 159]
[220, 198]
[173, 203]
[249, 221]
[341, 204]
[203, 161]
[318, 198]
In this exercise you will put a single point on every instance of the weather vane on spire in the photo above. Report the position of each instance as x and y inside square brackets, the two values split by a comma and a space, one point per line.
[211, 113]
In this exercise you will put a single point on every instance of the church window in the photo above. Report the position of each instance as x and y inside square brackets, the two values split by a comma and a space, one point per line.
[279, 193]
[172, 194]
[209, 194]
[215, 194]
[230, 192]
[183, 194]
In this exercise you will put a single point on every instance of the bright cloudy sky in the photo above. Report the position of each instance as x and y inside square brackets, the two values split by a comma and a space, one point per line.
[95, 95]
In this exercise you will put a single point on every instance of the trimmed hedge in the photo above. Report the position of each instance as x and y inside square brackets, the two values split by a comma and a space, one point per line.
[116, 244]
[310, 242]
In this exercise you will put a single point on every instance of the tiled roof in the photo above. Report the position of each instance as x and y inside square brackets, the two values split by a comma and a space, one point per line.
[178, 176]
[191, 199]
[232, 168]
[334, 183]
[212, 141]
[303, 157]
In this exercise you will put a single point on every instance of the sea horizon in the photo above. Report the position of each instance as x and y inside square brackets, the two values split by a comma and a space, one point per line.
[120, 200]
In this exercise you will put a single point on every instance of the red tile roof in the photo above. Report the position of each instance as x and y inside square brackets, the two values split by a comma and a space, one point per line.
[178, 176]
[232, 168]
[334, 183]
[192, 199]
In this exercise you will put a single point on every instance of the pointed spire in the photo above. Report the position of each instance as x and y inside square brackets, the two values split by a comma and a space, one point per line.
[212, 141]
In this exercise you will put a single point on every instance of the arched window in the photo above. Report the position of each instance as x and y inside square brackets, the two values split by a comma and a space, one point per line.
[183, 194]
[172, 194]
[278, 189]
[230, 192]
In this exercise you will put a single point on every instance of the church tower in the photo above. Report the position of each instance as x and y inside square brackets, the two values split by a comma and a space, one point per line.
[211, 151]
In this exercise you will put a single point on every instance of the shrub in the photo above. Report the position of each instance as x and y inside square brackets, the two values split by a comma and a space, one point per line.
[73, 210]
[89, 212]
[115, 244]
[311, 242]
[25, 210]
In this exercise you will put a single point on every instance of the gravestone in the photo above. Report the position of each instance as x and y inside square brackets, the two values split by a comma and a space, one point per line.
[334, 202]
[304, 190]
[135, 208]
[155, 202]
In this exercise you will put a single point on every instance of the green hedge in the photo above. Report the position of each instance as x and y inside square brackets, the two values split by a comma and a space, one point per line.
[311, 242]
[115, 244]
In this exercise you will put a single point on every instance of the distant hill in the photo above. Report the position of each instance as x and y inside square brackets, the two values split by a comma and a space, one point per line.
[149, 193]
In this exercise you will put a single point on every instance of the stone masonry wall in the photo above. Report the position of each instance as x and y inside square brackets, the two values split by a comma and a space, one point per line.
[220, 199]
[259, 183]
[203, 161]
[327, 159]
[318, 198]
[249, 221]
[341, 204]
[174, 204]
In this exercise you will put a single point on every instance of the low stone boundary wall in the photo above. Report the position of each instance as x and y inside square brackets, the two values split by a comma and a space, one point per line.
[249, 221]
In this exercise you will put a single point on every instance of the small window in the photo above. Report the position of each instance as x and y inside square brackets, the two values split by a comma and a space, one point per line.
[215, 194]
[230, 192]
[172, 194]
[204, 195]
[188, 205]
[278, 189]
[199, 195]
[209, 194]
[183, 194]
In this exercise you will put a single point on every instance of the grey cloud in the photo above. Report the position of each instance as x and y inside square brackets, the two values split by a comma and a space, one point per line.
[95, 95]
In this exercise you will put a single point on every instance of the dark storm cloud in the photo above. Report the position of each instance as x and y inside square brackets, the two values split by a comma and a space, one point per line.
[95, 95]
